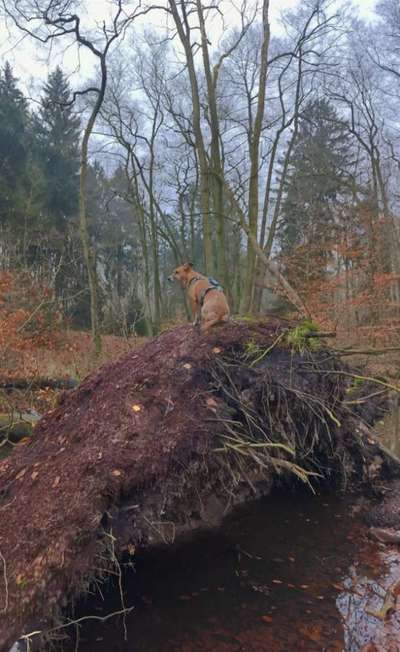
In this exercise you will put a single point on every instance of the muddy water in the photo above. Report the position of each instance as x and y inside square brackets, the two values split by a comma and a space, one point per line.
[286, 573]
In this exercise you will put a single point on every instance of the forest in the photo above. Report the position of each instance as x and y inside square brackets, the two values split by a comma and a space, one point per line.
[267, 156]
[257, 143]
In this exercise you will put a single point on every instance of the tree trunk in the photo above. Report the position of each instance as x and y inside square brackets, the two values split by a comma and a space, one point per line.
[216, 172]
[254, 166]
[183, 29]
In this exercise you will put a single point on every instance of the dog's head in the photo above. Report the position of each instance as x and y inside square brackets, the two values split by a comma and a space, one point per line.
[181, 274]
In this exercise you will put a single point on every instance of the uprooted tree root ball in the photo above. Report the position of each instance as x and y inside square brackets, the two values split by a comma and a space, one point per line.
[161, 442]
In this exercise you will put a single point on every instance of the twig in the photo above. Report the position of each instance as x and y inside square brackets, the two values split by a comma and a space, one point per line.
[265, 353]
[119, 574]
[38, 632]
[5, 583]
[358, 377]
[343, 352]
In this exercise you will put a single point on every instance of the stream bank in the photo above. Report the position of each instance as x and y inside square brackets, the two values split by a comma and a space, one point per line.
[289, 572]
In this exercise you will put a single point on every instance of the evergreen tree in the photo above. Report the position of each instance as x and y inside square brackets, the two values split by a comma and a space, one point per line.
[57, 129]
[317, 183]
[13, 146]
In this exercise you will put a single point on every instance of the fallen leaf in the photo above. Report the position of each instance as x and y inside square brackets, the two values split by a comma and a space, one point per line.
[187, 366]
[211, 402]
[34, 475]
[304, 586]
[56, 482]
[116, 473]
[216, 349]
[291, 586]
[267, 619]
[20, 580]
[20, 474]
[292, 559]
[136, 408]
[277, 582]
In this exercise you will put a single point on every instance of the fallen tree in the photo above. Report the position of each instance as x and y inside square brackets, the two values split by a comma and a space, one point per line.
[163, 441]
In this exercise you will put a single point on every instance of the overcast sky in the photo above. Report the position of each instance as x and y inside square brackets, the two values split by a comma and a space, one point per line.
[32, 63]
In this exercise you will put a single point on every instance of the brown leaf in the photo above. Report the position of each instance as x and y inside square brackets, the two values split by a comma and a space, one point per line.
[116, 473]
[21, 474]
[187, 366]
[216, 349]
[277, 582]
[20, 580]
[136, 408]
[211, 402]
[56, 482]
[34, 475]
[267, 619]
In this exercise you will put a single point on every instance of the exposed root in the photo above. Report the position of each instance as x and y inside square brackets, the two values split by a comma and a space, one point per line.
[114, 560]
[48, 633]
[4, 609]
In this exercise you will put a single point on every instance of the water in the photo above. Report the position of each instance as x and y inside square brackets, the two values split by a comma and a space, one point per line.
[287, 573]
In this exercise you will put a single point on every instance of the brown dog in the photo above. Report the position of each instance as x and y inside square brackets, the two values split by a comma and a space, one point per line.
[207, 299]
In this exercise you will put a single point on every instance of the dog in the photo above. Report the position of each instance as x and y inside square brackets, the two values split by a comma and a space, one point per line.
[207, 299]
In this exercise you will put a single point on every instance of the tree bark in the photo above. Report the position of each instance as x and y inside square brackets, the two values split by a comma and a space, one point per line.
[254, 165]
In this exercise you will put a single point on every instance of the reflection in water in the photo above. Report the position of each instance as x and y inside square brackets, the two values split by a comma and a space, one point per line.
[287, 573]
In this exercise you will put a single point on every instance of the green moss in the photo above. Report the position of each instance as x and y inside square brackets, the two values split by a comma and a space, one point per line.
[298, 339]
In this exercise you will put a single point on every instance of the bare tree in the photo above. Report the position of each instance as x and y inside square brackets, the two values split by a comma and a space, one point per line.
[45, 21]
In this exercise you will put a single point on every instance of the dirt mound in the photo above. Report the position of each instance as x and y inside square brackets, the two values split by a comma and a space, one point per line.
[148, 444]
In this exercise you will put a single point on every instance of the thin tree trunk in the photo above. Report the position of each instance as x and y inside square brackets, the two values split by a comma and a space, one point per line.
[183, 30]
[88, 248]
[254, 166]
[216, 173]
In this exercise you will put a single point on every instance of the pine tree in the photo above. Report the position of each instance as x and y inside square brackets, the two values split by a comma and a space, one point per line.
[317, 183]
[58, 129]
[13, 146]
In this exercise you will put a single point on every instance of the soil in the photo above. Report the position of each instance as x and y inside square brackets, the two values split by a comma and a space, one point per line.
[128, 458]
[386, 513]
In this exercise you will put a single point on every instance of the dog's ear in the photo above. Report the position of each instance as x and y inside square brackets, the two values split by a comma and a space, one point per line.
[188, 266]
